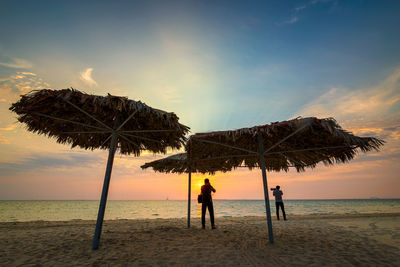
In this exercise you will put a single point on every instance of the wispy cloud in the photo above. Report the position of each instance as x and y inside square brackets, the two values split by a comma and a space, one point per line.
[291, 21]
[28, 73]
[313, 2]
[17, 63]
[365, 111]
[4, 140]
[373, 102]
[19, 83]
[9, 127]
[298, 9]
[310, 3]
[86, 76]
[54, 161]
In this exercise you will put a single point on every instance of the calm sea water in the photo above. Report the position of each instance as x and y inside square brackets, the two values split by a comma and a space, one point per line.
[12, 211]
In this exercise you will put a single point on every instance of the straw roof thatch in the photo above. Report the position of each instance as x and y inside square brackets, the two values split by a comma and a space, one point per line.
[298, 143]
[179, 163]
[87, 121]
[301, 143]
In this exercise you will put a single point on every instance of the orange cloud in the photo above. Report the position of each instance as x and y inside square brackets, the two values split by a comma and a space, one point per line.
[376, 108]
[373, 111]
[9, 127]
[4, 141]
[20, 83]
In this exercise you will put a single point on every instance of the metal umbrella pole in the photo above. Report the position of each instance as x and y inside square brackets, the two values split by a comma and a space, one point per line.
[103, 201]
[189, 195]
[266, 197]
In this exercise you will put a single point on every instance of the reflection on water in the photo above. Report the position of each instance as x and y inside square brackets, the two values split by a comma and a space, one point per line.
[150, 209]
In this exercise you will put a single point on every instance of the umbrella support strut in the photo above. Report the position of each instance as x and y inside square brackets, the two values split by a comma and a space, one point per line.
[189, 197]
[103, 201]
[266, 197]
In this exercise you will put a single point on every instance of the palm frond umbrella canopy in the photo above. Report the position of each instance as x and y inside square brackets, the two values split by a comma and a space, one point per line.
[300, 143]
[104, 122]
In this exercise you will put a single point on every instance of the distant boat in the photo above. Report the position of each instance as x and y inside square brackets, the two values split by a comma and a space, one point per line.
[167, 198]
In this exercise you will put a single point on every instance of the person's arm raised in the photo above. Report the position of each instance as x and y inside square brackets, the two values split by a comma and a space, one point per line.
[212, 189]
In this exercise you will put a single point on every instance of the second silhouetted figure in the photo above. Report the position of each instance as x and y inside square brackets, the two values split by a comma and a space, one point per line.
[278, 201]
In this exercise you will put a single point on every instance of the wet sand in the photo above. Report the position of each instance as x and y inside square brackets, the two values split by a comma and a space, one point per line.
[361, 240]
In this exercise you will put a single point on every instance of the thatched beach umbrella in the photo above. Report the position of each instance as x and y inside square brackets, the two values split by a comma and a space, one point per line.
[299, 143]
[91, 122]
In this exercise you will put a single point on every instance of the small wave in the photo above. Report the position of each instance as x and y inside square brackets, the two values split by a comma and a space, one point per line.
[155, 214]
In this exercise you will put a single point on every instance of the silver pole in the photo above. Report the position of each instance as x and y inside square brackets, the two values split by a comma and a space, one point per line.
[103, 201]
[189, 197]
[266, 197]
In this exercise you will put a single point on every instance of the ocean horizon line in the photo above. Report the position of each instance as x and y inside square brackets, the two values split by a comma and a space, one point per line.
[217, 199]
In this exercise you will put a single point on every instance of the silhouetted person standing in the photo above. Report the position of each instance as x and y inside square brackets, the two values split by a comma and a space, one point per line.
[278, 201]
[207, 202]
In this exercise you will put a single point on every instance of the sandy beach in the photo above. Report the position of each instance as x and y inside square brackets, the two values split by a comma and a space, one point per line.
[361, 240]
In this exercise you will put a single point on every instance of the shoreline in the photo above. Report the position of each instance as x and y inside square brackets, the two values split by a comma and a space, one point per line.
[359, 239]
[292, 217]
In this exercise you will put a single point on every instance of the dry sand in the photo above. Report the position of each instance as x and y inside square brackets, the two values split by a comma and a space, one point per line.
[361, 240]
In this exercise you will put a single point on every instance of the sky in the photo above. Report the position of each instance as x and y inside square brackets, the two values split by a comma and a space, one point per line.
[218, 65]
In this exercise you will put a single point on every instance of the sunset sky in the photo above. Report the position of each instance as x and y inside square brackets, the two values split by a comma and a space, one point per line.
[218, 65]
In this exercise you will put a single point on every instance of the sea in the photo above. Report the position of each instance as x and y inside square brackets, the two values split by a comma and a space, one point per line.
[76, 210]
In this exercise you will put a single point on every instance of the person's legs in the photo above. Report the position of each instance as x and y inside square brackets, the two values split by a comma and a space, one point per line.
[203, 214]
[283, 211]
[211, 211]
[277, 210]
